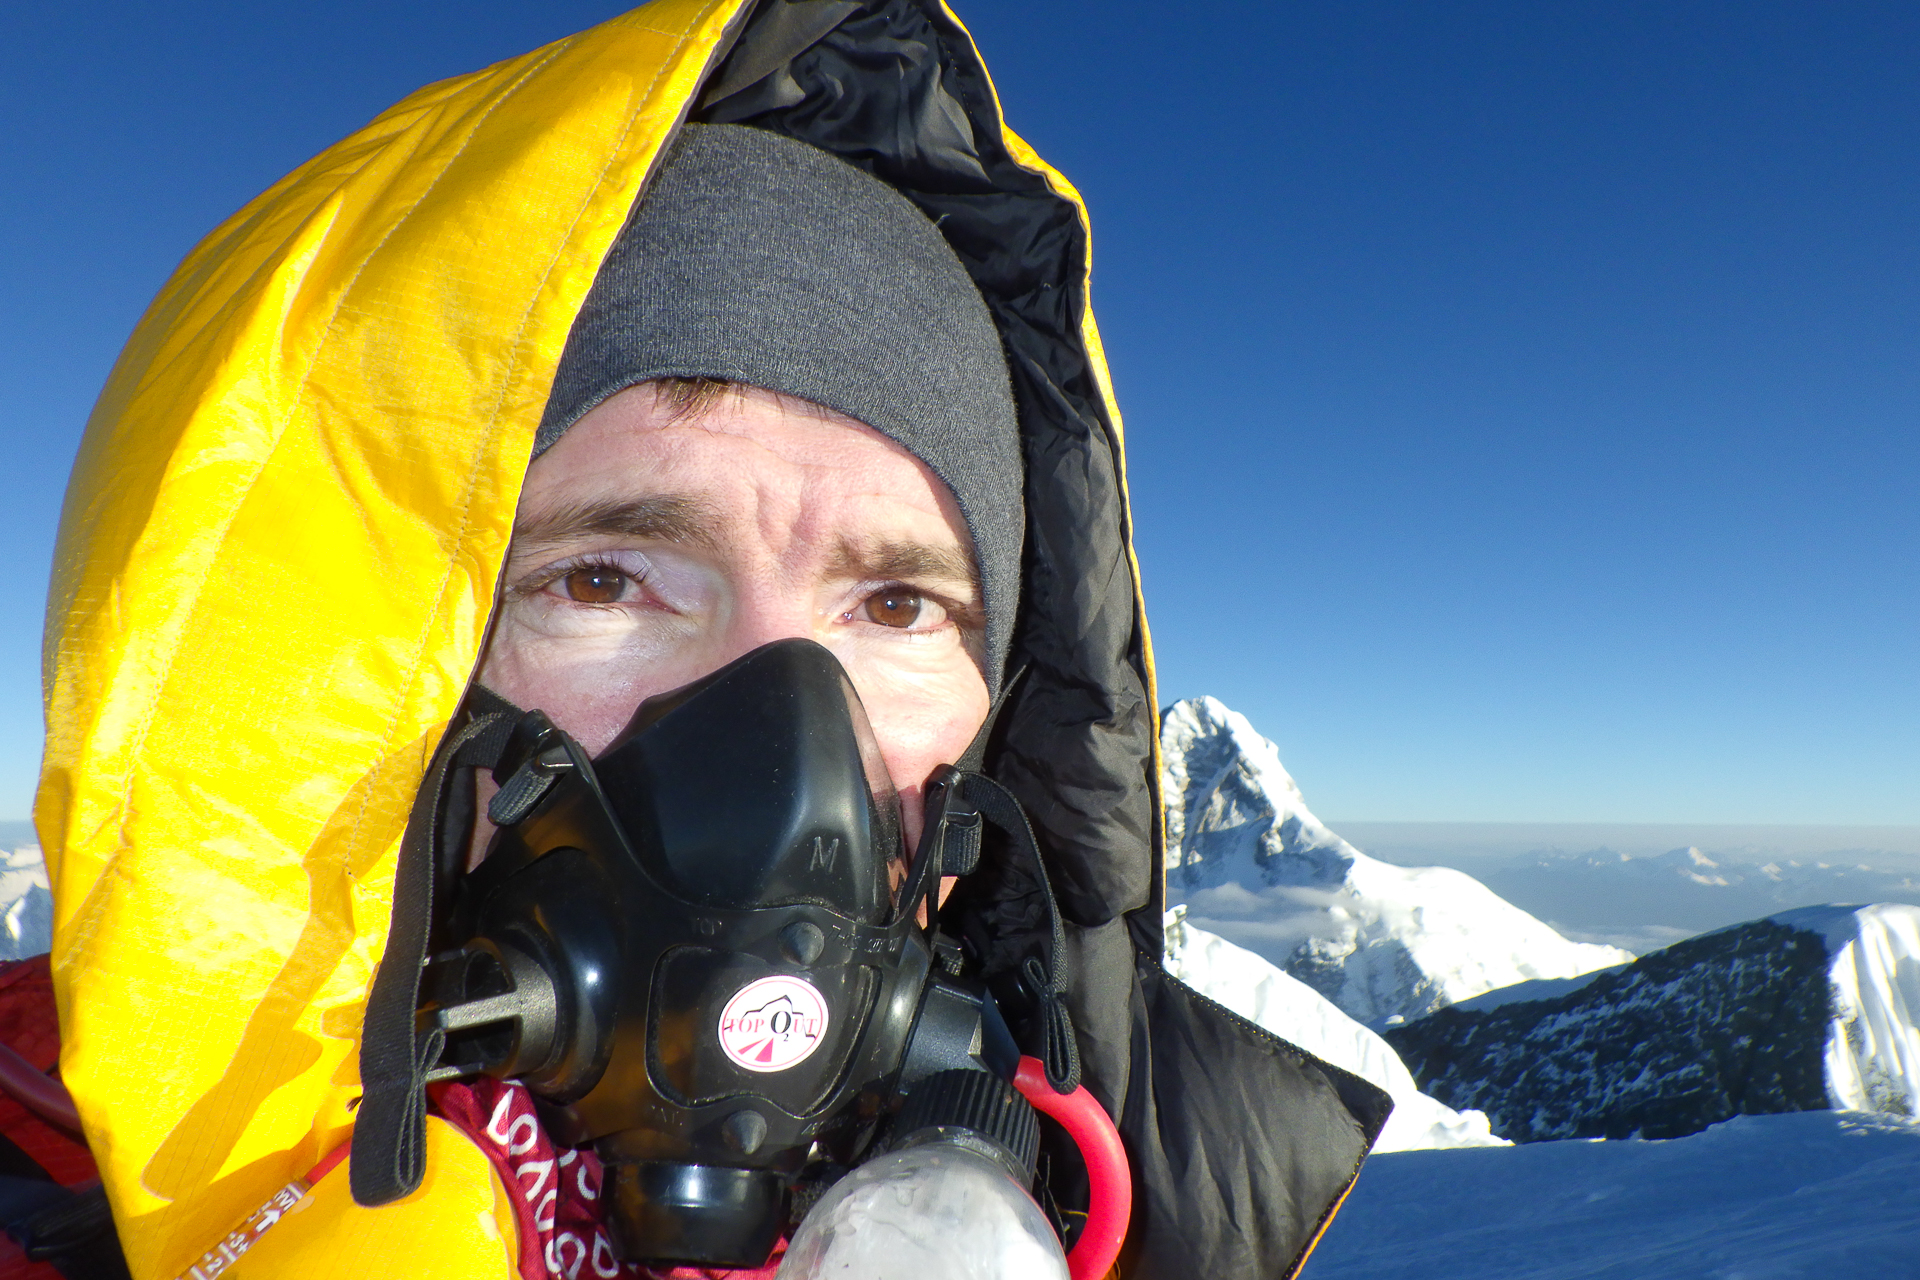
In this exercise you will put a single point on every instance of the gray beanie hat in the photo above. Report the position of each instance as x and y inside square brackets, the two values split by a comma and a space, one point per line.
[755, 258]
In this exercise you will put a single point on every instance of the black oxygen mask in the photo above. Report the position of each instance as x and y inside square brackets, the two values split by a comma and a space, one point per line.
[702, 952]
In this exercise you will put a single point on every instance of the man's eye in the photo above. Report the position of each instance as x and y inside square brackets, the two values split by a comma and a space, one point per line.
[895, 608]
[595, 585]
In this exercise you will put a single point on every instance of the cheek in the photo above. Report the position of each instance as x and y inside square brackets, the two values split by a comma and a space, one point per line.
[922, 720]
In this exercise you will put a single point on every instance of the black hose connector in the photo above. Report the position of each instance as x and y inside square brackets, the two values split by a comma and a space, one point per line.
[978, 1104]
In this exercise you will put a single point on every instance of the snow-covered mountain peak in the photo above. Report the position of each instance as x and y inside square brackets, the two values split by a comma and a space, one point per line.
[1384, 943]
[1233, 810]
[1691, 864]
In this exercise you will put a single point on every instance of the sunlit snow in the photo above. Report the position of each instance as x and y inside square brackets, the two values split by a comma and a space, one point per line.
[1814, 1194]
[1873, 1043]
[1263, 994]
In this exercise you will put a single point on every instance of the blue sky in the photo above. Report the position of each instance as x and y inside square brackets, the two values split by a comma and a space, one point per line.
[1521, 397]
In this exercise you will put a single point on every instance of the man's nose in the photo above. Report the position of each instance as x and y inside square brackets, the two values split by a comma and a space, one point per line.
[768, 614]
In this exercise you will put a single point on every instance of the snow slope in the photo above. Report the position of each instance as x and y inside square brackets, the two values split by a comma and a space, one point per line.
[1384, 943]
[1263, 994]
[1822, 1195]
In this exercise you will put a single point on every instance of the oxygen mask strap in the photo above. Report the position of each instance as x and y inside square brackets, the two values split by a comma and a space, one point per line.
[1044, 977]
[1041, 976]
[389, 1147]
[974, 757]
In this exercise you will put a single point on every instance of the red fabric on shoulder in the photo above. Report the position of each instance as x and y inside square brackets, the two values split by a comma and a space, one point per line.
[470, 1106]
[30, 1026]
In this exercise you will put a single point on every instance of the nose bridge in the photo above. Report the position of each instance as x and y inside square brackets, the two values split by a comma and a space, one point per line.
[777, 603]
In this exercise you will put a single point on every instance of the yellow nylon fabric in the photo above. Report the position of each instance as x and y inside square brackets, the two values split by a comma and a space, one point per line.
[278, 554]
[458, 1226]
[276, 563]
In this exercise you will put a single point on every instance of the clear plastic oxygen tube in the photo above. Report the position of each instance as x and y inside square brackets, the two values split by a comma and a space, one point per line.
[948, 1199]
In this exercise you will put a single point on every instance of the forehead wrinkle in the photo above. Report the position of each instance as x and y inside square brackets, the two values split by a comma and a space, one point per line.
[672, 518]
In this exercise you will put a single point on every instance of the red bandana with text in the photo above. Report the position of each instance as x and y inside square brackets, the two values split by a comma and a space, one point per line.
[555, 1191]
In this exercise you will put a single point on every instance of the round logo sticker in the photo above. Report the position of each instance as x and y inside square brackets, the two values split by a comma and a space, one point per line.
[773, 1023]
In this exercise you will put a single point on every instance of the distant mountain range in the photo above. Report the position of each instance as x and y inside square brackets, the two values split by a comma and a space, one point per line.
[1655, 900]
[1466, 844]
[1644, 885]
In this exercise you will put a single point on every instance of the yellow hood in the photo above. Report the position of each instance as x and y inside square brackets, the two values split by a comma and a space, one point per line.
[276, 564]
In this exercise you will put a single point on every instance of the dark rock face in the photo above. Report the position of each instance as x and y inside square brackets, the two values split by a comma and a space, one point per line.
[1731, 1023]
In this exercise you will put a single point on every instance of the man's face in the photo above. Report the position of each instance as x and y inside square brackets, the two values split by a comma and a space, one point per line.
[649, 552]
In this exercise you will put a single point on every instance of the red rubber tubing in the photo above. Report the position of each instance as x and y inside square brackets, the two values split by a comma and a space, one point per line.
[1087, 1122]
[38, 1092]
[328, 1163]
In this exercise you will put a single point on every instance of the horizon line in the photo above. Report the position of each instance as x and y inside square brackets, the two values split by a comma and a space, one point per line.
[1619, 822]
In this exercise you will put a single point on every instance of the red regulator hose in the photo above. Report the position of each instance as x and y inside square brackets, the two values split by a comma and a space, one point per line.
[1087, 1122]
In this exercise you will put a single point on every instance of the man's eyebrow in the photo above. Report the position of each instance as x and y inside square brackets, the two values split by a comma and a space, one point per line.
[662, 518]
[905, 561]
